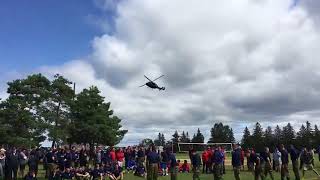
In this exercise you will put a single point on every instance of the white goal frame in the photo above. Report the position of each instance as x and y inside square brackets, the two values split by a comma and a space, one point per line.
[206, 144]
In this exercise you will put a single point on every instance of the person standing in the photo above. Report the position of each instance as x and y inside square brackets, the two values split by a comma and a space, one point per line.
[204, 161]
[173, 166]
[218, 157]
[266, 156]
[141, 156]
[33, 162]
[2, 162]
[308, 159]
[196, 163]
[294, 154]
[164, 162]
[242, 158]
[23, 159]
[277, 160]
[258, 169]
[50, 163]
[68, 158]
[153, 159]
[236, 161]
[12, 160]
[285, 161]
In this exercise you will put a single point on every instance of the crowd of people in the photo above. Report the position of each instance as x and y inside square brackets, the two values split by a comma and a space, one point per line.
[150, 162]
[263, 164]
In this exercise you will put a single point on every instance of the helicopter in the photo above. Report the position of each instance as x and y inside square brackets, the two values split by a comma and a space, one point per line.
[151, 84]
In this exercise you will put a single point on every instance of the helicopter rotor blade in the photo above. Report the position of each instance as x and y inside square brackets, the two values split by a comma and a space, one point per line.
[158, 77]
[147, 78]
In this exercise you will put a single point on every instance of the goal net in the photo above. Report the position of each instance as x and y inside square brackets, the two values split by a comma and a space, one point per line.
[185, 147]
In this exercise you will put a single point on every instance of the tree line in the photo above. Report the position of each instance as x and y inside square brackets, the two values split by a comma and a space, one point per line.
[219, 134]
[307, 136]
[258, 138]
[38, 108]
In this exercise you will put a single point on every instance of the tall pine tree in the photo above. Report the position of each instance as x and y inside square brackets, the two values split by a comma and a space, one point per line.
[246, 141]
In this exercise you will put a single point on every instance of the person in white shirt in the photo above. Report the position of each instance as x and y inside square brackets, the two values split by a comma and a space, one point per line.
[277, 160]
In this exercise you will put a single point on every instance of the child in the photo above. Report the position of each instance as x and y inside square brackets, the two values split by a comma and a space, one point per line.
[185, 168]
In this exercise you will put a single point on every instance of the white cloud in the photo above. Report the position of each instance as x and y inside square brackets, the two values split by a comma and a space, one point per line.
[237, 61]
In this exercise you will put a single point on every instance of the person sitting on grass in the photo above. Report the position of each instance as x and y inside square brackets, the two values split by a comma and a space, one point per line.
[117, 173]
[96, 173]
[56, 175]
[131, 166]
[67, 174]
[82, 174]
[30, 176]
[140, 171]
[108, 171]
[185, 167]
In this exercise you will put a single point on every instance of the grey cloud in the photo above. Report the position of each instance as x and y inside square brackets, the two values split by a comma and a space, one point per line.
[237, 64]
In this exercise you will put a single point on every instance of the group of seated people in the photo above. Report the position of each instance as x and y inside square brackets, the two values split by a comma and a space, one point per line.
[139, 170]
[99, 172]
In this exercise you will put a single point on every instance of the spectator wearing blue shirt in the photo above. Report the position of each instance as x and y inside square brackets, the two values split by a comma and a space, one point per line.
[294, 154]
[173, 166]
[285, 162]
[218, 158]
[153, 159]
[236, 161]
[196, 163]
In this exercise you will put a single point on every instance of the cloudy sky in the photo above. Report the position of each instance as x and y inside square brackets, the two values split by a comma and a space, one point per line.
[235, 61]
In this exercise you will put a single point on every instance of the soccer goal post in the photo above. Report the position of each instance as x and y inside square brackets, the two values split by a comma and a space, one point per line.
[185, 147]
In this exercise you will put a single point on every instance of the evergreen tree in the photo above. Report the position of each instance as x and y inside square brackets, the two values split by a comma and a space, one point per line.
[183, 138]
[316, 136]
[257, 137]
[268, 137]
[221, 134]
[198, 138]
[278, 135]
[163, 140]
[22, 118]
[187, 138]
[175, 140]
[94, 122]
[301, 136]
[246, 141]
[288, 135]
[309, 134]
[157, 141]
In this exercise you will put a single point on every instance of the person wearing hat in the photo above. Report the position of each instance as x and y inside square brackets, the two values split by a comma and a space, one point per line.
[2, 161]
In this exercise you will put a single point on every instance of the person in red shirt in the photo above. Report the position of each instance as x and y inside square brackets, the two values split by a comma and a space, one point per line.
[185, 167]
[242, 155]
[120, 157]
[210, 152]
[204, 160]
[113, 155]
